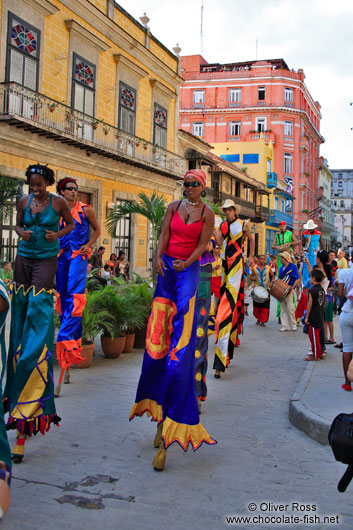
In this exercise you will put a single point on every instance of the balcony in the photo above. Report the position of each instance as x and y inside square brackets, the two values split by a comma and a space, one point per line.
[268, 136]
[247, 208]
[44, 116]
[304, 144]
[262, 214]
[271, 180]
[276, 217]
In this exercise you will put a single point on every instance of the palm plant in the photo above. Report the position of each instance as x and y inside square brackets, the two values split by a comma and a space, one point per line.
[93, 322]
[152, 208]
[8, 195]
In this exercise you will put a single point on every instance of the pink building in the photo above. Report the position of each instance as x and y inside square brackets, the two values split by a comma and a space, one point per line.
[234, 102]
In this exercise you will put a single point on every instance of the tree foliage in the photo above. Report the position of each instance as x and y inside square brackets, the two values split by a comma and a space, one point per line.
[8, 194]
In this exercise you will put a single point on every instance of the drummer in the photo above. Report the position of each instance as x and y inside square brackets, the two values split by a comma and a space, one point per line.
[261, 277]
[290, 275]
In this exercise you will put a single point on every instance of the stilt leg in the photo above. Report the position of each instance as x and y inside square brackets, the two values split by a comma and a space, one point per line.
[159, 458]
[158, 438]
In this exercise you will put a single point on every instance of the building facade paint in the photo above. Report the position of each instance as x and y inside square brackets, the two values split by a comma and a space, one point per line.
[229, 105]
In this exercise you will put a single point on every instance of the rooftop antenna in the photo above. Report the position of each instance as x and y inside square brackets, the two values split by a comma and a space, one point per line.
[201, 29]
[257, 41]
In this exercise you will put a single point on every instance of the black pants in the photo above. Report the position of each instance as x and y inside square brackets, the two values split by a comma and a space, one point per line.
[37, 272]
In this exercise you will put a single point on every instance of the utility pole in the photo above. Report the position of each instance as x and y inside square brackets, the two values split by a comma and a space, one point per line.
[201, 29]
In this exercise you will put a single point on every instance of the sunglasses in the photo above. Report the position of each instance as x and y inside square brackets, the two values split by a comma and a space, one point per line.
[193, 184]
[71, 188]
[37, 170]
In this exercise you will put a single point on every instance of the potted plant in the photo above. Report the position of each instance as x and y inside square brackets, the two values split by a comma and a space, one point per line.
[92, 324]
[52, 106]
[134, 314]
[113, 339]
[106, 130]
[95, 124]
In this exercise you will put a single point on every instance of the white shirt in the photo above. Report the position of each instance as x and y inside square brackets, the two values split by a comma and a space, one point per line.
[346, 276]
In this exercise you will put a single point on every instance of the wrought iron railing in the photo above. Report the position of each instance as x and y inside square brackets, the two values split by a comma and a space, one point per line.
[58, 119]
[276, 217]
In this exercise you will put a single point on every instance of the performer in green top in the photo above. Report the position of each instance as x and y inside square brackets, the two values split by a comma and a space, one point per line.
[284, 241]
[29, 391]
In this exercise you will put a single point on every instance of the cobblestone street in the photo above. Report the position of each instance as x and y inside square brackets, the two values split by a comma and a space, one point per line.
[95, 472]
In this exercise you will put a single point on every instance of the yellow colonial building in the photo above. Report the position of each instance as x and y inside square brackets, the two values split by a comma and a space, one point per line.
[90, 91]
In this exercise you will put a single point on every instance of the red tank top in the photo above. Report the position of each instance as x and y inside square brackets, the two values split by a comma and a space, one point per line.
[183, 238]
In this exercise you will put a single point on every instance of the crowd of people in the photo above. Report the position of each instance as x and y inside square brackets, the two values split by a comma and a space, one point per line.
[203, 287]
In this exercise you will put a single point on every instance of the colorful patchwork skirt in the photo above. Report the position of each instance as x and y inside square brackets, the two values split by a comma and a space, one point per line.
[29, 391]
[203, 310]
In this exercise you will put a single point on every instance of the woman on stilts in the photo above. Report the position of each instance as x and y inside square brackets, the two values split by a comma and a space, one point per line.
[203, 312]
[29, 391]
[166, 388]
[71, 278]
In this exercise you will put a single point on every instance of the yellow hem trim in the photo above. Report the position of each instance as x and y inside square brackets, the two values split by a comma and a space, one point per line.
[185, 434]
[148, 406]
[25, 292]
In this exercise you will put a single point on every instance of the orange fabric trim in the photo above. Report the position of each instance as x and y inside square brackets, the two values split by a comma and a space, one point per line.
[79, 304]
[76, 253]
[77, 209]
[68, 352]
[58, 304]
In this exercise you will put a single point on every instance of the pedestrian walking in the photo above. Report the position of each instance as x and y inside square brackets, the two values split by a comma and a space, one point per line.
[71, 275]
[230, 313]
[345, 288]
[166, 389]
[315, 314]
[29, 391]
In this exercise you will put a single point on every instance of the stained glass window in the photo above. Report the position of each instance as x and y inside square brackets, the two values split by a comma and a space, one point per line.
[23, 43]
[160, 116]
[83, 85]
[24, 38]
[127, 97]
[84, 73]
[127, 108]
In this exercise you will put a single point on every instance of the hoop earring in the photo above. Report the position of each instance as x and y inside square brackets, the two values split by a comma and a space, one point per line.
[184, 193]
[203, 193]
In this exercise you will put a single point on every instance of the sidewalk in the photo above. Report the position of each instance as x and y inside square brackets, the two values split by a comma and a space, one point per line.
[319, 397]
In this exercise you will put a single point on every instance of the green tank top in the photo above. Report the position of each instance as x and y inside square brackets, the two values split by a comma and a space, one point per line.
[38, 246]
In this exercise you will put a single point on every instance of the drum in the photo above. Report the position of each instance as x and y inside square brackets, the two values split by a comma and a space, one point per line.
[259, 294]
[280, 290]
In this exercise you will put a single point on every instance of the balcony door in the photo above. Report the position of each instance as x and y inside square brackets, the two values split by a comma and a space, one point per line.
[127, 118]
[82, 97]
[22, 61]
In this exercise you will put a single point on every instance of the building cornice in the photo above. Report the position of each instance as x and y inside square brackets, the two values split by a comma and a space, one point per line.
[84, 34]
[155, 84]
[121, 38]
[127, 63]
[45, 7]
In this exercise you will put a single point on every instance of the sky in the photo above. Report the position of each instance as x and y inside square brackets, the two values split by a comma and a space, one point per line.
[315, 35]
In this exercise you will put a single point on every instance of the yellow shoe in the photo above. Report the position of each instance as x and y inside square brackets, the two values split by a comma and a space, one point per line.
[159, 458]
[158, 438]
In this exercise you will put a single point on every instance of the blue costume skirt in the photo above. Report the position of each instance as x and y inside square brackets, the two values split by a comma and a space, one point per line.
[166, 388]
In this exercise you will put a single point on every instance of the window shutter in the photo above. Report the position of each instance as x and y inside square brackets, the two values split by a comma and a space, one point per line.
[16, 67]
[78, 97]
[30, 74]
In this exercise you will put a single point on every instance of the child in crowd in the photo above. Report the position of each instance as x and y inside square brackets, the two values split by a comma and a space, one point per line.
[315, 314]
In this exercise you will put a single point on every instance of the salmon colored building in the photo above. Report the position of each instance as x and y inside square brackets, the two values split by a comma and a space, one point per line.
[229, 105]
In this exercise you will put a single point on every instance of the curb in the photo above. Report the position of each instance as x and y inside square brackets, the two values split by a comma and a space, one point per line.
[303, 418]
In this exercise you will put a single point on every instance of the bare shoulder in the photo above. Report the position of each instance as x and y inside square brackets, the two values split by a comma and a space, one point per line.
[209, 213]
[58, 200]
[22, 203]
